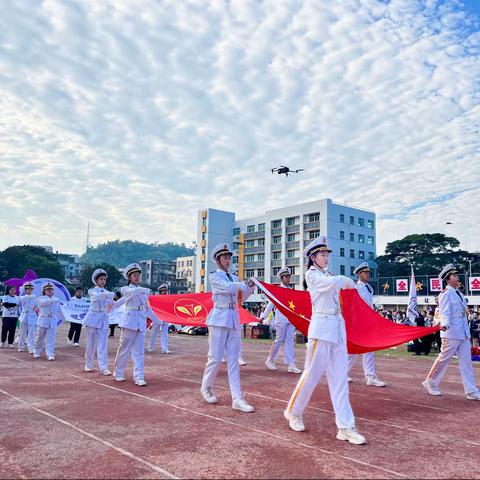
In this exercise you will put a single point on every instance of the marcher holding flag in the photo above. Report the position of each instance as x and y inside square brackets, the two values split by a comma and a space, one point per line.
[327, 346]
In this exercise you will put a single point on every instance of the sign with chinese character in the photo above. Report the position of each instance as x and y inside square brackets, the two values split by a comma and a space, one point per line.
[474, 284]
[435, 285]
[402, 285]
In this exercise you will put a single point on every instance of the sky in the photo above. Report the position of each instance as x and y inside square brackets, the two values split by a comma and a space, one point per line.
[133, 115]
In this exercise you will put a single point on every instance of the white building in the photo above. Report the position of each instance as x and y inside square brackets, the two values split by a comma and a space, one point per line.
[186, 271]
[263, 244]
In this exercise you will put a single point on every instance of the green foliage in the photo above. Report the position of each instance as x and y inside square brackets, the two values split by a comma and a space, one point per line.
[15, 261]
[122, 252]
[428, 253]
[113, 276]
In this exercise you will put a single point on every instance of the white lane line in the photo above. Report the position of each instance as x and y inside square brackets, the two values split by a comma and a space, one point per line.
[120, 450]
[324, 410]
[222, 420]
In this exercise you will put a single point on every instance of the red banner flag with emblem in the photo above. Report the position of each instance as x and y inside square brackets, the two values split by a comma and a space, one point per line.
[189, 309]
[367, 331]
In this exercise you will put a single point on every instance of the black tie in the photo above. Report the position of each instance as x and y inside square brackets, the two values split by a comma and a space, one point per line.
[370, 289]
[459, 294]
[229, 276]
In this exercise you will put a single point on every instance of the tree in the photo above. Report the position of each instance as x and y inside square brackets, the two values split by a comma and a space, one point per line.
[113, 276]
[122, 252]
[16, 260]
[428, 253]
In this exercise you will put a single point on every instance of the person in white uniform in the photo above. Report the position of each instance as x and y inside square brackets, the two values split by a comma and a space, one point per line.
[133, 325]
[327, 346]
[159, 327]
[368, 359]
[96, 323]
[28, 318]
[224, 328]
[455, 334]
[50, 315]
[285, 330]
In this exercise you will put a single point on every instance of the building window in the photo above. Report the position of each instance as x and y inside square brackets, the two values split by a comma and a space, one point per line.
[342, 235]
[370, 240]
[342, 252]
[203, 236]
[277, 239]
[342, 218]
[204, 221]
[276, 223]
[361, 238]
[250, 228]
[261, 227]
[203, 265]
[250, 243]
[235, 259]
[312, 234]
[276, 255]
[342, 269]
[370, 224]
[292, 269]
[261, 242]
[371, 256]
[291, 221]
[351, 271]
[361, 222]
[291, 237]
[249, 273]
[235, 246]
[261, 257]
[372, 273]
[275, 270]
[361, 255]
[352, 220]
[352, 253]
[260, 272]
[291, 253]
[352, 237]
[249, 258]
[314, 217]
[236, 231]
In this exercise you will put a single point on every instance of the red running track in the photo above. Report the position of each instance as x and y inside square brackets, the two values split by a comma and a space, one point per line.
[60, 422]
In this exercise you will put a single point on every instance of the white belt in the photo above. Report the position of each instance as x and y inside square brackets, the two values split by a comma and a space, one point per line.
[135, 309]
[230, 306]
[327, 311]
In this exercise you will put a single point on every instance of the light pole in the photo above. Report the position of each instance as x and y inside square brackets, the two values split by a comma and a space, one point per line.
[469, 276]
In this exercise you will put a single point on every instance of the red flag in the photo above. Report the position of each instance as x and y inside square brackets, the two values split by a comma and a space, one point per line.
[189, 309]
[367, 331]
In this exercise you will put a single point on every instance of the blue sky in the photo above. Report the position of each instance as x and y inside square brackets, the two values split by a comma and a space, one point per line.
[134, 115]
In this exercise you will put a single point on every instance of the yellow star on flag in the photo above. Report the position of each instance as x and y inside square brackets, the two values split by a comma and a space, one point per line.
[291, 305]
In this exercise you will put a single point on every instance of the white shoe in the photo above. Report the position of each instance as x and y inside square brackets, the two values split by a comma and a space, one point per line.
[224, 360]
[69, 342]
[36, 356]
[208, 395]
[350, 435]
[431, 389]
[31, 352]
[51, 358]
[10, 345]
[270, 365]
[141, 382]
[21, 350]
[76, 344]
[241, 362]
[87, 369]
[119, 379]
[242, 405]
[294, 369]
[473, 396]
[106, 372]
[2, 345]
[166, 352]
[349, 379]
[374, 382]
[295, 421]
[150, 350]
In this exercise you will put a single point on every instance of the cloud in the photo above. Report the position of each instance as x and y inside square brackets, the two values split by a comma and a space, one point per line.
[134, 115]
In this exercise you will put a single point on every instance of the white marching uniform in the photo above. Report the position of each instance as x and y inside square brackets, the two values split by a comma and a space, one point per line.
[224, 332]
[159, 326]
[133, 324]
[49, 316]
[97, 327]
[452, 308]
[326, 348]
[368, 359]
[28, 322]
[285, 335]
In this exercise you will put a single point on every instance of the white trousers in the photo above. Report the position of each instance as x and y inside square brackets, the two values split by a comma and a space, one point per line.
[368, 360]
[132, 344]
[223, 342]
[286, 337]
[96, 340]
[46, 334]
[451, 347]
[332, 359]
[156, 328]
[26, 334]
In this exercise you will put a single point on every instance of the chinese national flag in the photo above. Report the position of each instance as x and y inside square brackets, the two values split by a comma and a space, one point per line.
[367, 331]
[189, 309]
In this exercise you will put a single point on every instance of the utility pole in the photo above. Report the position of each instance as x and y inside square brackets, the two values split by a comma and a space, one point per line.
[88, 236]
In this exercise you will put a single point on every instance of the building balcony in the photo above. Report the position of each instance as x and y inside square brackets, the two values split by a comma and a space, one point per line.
[292, 245]
[250, 250]
[277, 262]
[312, 226]
[276, 247]
[293, 229]
[293, 279]
[250, 235]
[292, 262]
[277, 231]
[250, 265]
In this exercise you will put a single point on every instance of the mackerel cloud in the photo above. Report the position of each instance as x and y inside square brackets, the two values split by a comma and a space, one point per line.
[134, 115]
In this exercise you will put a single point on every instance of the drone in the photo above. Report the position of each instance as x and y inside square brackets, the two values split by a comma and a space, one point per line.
[285, 170]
